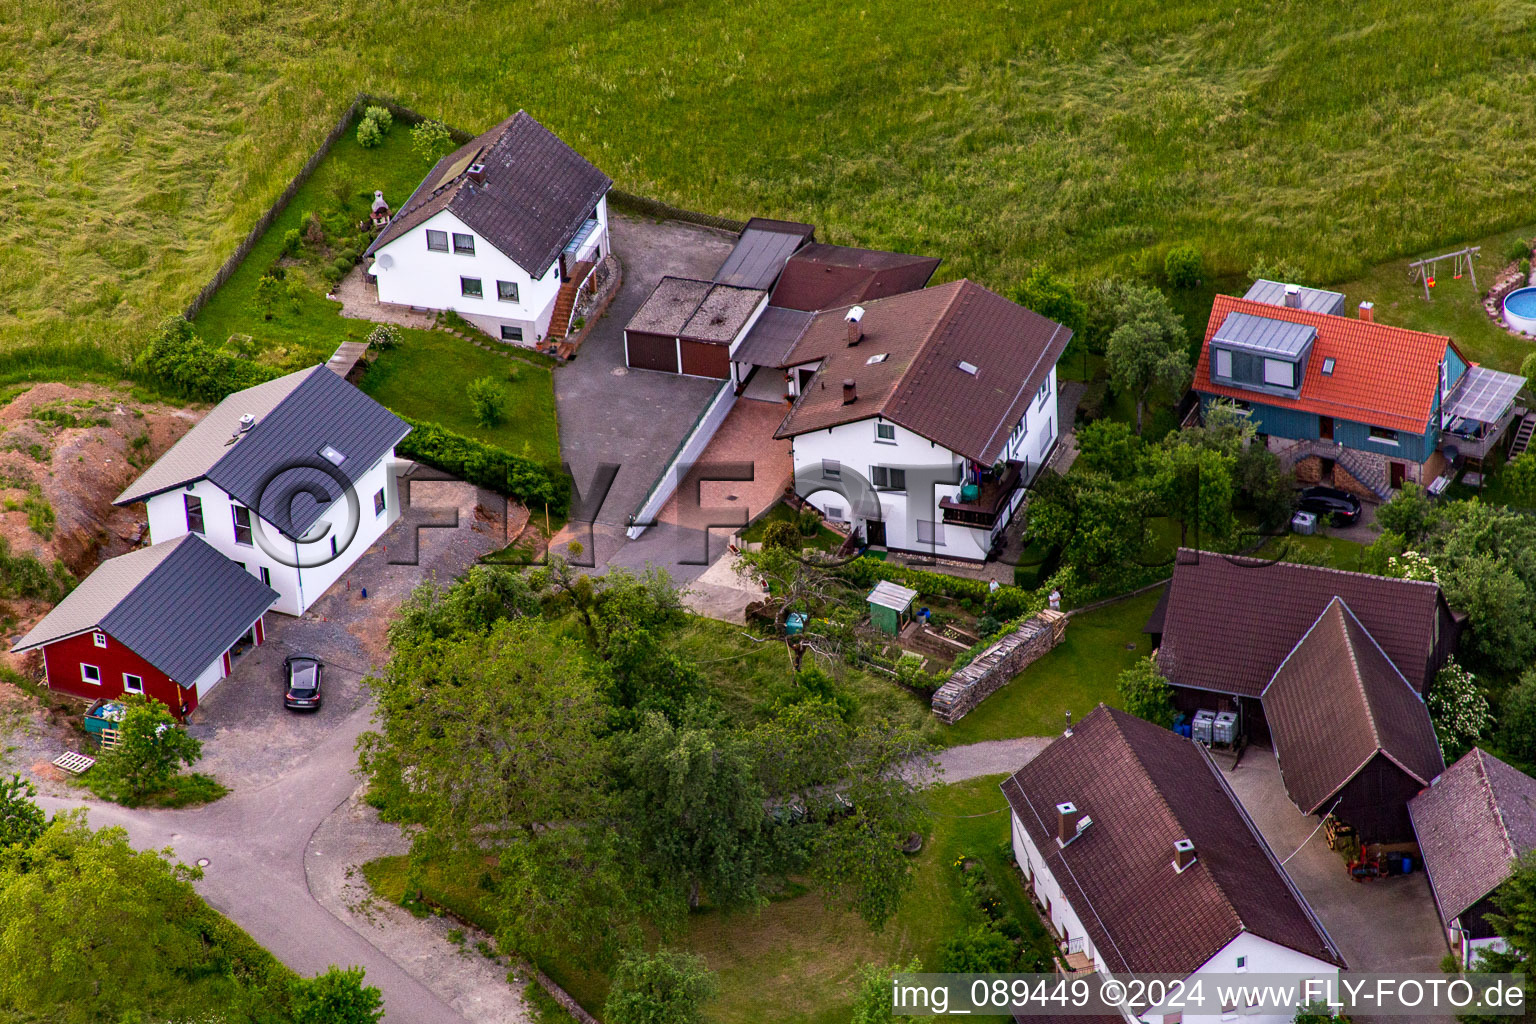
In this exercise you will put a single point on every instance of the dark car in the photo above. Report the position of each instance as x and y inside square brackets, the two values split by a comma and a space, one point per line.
[1331, 505]
[301, 676]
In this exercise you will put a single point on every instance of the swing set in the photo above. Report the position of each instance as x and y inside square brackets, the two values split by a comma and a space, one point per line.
[1423, 271]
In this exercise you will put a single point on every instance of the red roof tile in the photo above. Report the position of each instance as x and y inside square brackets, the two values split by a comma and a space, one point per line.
[1383, 376]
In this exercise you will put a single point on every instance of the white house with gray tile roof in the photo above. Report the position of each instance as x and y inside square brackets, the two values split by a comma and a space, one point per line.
[292, 479]
[496, 231]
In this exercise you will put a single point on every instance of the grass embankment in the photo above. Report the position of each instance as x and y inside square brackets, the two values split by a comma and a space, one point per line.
[144, 139]
[797, 959]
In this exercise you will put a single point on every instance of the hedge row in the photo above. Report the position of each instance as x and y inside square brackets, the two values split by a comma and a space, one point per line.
[1003, 603]
[485, 465]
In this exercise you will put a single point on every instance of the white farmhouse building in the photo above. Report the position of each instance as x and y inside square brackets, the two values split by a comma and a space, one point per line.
[292, 479]
[503, 231]
[1144, 862]
[922, 417]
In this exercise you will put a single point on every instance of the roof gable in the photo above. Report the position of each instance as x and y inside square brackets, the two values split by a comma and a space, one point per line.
[178, 605]
[1477, 818]
[1379, 375]
[1335, 703]
[1230, 621]
[533, 195]
[926, 336]
[1144, 788]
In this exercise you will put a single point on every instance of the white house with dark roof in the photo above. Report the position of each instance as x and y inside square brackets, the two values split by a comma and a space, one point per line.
[1144, 862]
[1472, 825]
[502, 231]
[164, 622]
[292, 479]
[922, 417]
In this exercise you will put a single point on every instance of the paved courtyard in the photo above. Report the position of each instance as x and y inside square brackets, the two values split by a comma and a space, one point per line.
[632, 418]
[1387, 925]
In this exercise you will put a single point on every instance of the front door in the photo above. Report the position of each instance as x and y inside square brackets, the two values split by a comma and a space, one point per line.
[1325, 471]
[1399, 472]
[1325, 427]
[874, 533]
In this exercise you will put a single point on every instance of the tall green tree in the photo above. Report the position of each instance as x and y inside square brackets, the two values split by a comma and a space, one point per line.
[151, 749]
[21, 820]
[664, 987]
[1142, 338]
[1195, 486]
[1146, 693]
[1052, 297]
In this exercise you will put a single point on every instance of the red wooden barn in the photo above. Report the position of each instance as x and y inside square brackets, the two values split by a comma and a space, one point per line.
[163, 621]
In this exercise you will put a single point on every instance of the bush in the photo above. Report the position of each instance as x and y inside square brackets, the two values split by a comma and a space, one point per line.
[489, 400]
[336, 997]
[1459, 710]
[782, 534]
[1519, 249]
[485, 465]
[381, 117]
[292, 239]
[384, 337]
[178, 362]
[664, 987]
[1146, 694]
[1409, 513]
[150, 751]
[431, 139]
[982, 950]
[809, 522]
[368, 134]
[1183, 266]
[1277, 268]
[1525, 268]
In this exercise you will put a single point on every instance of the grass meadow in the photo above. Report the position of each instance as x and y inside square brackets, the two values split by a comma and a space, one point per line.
[141, 138]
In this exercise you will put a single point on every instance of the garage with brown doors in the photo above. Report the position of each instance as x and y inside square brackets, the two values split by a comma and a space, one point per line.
[650, 351]
[706, 359]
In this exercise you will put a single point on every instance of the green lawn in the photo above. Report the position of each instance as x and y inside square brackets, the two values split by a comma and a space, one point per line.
[142, 140]
[1076, 676]
[796, 960]
[427, 375]
[824, 540]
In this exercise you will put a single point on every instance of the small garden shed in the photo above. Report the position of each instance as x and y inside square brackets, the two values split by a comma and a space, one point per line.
[890, 606]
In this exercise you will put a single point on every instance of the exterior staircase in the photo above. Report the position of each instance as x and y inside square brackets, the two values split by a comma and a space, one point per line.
[1370, 473]
[1521, 439]
[565, 301]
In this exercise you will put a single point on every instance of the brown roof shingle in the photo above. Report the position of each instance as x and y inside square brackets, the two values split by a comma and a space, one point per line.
[821, 276]
[1335, 703]
[537, 191]
[1479, 816]
[1146, 787]
[1230, 621]
[925, 336]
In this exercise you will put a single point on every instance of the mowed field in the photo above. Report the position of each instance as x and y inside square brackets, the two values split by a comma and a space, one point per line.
[139, 139]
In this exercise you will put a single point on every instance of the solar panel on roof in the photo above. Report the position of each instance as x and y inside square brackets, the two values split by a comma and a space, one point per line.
[1483, 394]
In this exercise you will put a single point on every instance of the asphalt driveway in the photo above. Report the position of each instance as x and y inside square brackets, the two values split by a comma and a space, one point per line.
[634, 419]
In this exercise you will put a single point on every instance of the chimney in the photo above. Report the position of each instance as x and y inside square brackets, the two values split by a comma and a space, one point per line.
[247, 421]
[1070, 822]
[1293, 296]
[1069, 723]
[477, 173]
[850, 392]
[1183, 854]
[855, 332]
[1368, 312]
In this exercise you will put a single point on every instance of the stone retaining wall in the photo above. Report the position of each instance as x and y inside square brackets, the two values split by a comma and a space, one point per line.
[996, 665]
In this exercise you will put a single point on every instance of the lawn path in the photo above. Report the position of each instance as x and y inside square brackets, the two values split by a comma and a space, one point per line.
[989, 757]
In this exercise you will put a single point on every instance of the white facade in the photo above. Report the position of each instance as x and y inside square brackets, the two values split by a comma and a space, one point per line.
[305, 570]
[411, 273]
[1247, 953]
[912, 517]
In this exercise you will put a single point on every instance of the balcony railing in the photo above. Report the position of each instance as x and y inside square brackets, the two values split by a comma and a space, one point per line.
[1478, 439]
[991, 500]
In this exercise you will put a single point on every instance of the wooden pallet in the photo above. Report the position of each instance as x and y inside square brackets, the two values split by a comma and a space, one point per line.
[110, 738]
[74, 763]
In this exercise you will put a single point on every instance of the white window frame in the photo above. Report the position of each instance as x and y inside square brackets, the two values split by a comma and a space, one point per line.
[1045, 391]
[131, 689]
[248, 525]
[264, 574]
[1223, 363]
[508, 327]
[87, 679]
[441, 234]
[936, 532]
[881, 438]
[1286, 365]
[831, 469]
[1394, 440]
[189, 502]
[99, 639]
[889, 475]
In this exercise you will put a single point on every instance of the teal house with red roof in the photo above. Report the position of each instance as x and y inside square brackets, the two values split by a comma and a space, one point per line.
[1347, 401]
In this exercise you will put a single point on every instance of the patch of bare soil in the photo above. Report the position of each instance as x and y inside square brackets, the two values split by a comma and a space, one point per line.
[66, 451]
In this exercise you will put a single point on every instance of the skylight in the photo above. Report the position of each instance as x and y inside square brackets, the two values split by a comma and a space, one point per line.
[1328, 366]
[969, 368]
[872, 360]
[331, 455]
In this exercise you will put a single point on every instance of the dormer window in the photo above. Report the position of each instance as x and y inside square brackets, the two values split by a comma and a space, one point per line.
[1280, 372]
[1223, 363]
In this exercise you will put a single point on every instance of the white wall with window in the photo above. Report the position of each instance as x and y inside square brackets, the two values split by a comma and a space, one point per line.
[230, 528]
[442, 263]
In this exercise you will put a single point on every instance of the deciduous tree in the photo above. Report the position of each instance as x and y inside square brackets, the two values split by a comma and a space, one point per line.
[664, 987]
[1145, 693]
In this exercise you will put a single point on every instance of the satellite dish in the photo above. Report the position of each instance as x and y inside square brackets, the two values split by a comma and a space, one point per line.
[385, 260]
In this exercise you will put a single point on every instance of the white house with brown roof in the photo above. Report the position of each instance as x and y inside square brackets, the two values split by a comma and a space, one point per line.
[922, 417]
[1472, 825]
[502, 231]
[1146, 863]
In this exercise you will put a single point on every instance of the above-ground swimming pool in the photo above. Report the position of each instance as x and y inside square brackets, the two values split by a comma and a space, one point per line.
[1520, 310]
